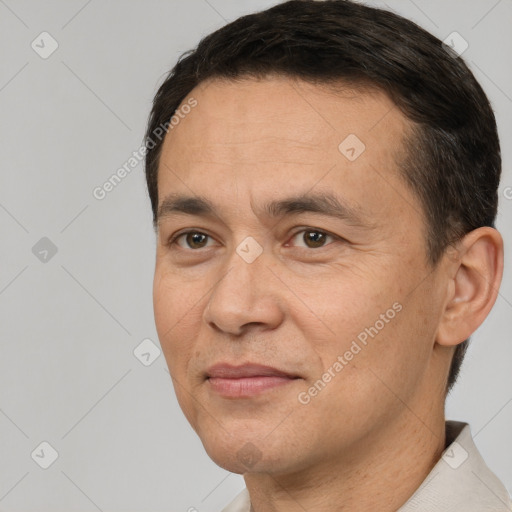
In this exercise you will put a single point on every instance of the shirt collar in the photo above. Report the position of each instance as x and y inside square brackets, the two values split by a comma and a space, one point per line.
[460, 480]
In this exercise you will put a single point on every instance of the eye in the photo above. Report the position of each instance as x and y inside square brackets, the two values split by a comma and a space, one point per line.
[191, 239]
[313, 238]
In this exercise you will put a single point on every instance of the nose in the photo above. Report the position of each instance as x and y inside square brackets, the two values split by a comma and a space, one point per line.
[247, 295]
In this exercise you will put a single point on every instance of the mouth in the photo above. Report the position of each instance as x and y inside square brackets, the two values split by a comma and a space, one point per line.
[246, 380]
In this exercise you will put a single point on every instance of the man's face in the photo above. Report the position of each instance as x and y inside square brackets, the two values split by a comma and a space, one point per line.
[307, 289]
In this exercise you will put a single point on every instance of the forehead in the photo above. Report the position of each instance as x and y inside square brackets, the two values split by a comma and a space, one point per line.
[234, 117]
[260, 136]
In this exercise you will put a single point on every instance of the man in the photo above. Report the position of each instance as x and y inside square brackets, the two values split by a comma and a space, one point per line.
[324, 200]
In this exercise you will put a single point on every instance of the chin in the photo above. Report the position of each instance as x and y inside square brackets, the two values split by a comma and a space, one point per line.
[227, 456]
[249, 453]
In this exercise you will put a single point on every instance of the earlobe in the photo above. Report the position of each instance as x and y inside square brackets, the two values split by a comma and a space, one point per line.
[473, 287]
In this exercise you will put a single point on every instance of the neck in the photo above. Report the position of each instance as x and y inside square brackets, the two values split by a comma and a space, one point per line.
[381, 473]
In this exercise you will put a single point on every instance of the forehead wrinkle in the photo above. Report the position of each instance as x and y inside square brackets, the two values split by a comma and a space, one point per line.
[311, 145]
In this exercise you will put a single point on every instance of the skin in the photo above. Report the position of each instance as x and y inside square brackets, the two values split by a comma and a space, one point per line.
[370, 437]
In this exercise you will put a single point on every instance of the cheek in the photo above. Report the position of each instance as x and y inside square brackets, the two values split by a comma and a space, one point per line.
[174, 298]
[173, 305]
[343, 305]
[390, 353]
[175, 318]
[164, 301]
[369, 322]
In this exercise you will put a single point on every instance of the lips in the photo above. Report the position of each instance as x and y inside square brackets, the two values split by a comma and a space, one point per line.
[246, 380]
[227, 371]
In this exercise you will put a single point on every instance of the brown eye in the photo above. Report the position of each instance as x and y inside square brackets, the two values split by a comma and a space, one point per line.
[192, 240]
[312, 238]
[196, 240]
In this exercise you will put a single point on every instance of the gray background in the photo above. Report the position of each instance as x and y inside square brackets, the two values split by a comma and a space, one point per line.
[70, 323]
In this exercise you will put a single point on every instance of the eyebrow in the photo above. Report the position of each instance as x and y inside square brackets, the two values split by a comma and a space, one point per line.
[322, 203]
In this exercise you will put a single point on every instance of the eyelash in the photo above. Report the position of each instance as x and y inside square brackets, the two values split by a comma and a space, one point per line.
[173, 240]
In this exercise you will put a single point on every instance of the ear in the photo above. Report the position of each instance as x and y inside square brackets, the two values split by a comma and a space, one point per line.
[475, 277]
